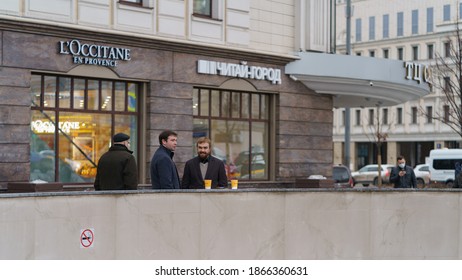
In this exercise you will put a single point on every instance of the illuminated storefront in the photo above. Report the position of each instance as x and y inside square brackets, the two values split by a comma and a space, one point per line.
[72, 123]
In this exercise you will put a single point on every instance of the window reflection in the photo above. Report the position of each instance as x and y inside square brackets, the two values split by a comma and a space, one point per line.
[204, 99]
[239, 141]
[196, 102]
[120, 96]
[235, 105]
[255, 106]
[42, 158]
[93, 95]
[127, 124]
[230, 138]
[64, 92]
[35, 90]
[50, 92]
[79, 94]
[215, 103]
[82, 135]
[132, 97]
[106, 96]
[202, 7]
[264, 107]
[259, 148]
[245, 109]
[225, 103]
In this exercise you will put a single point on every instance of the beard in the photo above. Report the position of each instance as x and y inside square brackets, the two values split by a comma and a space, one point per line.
[203, 155]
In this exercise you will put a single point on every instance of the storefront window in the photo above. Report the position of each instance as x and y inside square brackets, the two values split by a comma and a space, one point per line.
[79, 127]
[35, 90]
[119, 96]
[42, 158]
[238, 127]
[64, 92]
[79, 94]
[50, 92]
[93, 94]
[106, 96]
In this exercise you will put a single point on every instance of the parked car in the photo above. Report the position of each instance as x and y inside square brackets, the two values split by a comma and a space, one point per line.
[257, 164]
[443, 164]
[369, 174]
[342, 176]
[422, 174]
[230, 167]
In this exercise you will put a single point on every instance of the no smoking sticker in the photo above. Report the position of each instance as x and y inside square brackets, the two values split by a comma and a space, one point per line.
[87, 237]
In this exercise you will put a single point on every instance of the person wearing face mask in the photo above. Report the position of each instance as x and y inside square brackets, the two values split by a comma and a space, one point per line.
[204, 166]
[402, 175]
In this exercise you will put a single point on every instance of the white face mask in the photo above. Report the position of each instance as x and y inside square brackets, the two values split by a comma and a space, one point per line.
[402, 165]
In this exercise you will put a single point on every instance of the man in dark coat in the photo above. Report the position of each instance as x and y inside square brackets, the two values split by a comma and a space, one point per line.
[164, 174]
[117, 168]
[203, 167]
[403, 175]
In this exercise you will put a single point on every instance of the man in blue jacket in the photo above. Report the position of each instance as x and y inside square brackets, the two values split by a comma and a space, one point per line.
[164, 174]
[403, 175]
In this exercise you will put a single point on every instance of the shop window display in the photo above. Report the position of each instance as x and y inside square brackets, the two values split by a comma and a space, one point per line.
[75, 117]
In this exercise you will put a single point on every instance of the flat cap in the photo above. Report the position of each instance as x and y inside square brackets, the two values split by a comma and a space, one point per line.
[120, 137]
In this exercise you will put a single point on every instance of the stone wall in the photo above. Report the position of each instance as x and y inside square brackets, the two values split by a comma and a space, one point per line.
[14, 119]
[234, 224]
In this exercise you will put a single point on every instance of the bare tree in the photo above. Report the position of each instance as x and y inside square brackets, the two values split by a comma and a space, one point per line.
[378, 134]
[446, 79]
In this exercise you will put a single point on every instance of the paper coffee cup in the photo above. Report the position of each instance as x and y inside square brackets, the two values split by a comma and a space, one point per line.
[208, 184]
[234, 184]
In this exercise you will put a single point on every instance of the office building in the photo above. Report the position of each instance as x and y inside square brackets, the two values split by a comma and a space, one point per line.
[411, 31]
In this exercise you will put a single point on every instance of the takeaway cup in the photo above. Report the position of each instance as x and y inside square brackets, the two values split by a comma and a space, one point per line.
[234, 184]
[208, 184]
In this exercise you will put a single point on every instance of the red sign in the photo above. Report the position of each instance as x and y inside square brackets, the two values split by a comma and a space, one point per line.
[86, 238]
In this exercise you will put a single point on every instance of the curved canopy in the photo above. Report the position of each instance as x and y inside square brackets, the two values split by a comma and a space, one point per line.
[357, 81]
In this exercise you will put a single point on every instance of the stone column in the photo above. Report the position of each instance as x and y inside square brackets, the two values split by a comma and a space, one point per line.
[392, 152]
[338, 153]
[15, 115]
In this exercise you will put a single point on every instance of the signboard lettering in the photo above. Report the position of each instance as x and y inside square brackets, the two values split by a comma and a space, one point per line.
[417, 72]
[93, 54]
[239, 71]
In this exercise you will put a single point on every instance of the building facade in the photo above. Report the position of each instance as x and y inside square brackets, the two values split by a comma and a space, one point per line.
[257, 77]
[75, 72]
[413, 32]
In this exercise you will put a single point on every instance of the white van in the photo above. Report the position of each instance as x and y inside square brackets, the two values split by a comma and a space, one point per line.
[442, 163]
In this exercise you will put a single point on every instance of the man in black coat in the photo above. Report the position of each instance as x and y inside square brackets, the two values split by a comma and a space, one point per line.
[117, 167]
[204, 166]
[402, 175]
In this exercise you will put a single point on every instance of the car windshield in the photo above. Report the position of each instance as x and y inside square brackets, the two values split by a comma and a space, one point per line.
[424, 168]
[340, 173]
[364, 169]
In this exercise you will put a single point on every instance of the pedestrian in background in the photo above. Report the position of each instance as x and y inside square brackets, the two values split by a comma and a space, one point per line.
[457, 171]
[164, 174]
[403, 175]
[117, 168]
[204, 166]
